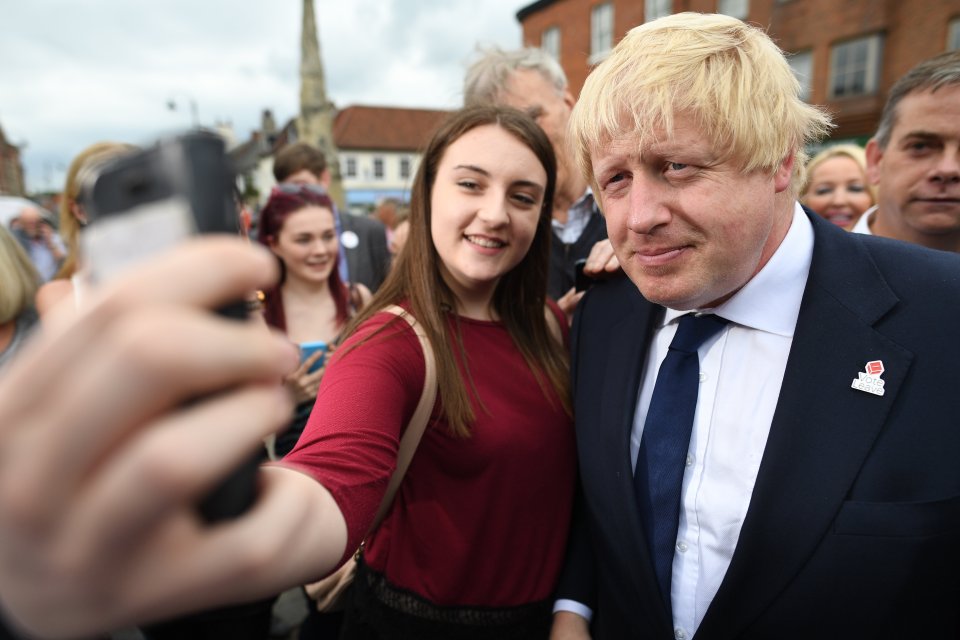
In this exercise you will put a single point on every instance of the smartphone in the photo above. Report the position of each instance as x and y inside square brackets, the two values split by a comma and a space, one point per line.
[144, 202]
[307, 349]
[581, 281]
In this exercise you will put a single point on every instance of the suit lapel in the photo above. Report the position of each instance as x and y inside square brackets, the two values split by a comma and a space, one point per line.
[621, 379]
[619, 391]
[822, 429]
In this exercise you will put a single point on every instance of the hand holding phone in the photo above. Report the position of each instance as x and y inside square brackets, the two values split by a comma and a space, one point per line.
[307, 349]
[145, 202]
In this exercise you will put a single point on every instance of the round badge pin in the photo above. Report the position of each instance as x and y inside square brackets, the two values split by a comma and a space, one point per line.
[349, 240]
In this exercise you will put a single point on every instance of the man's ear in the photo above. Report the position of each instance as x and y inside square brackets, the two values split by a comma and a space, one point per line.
[784, 173]
[325, 179]
[874, 157]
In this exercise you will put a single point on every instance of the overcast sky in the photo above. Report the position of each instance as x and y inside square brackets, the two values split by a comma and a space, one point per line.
[73, 72]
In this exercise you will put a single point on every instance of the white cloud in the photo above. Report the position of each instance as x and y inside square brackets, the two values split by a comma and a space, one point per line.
[78, 71]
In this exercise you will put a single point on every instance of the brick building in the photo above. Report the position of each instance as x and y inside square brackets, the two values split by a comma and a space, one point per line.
[847, 54]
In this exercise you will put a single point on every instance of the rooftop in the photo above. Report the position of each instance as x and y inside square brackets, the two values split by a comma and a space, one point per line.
[385, 128]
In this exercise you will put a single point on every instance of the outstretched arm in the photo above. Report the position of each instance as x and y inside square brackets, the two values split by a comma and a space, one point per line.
[103, 459]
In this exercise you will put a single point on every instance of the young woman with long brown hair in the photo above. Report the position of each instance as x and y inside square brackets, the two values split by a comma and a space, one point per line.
[474, 540]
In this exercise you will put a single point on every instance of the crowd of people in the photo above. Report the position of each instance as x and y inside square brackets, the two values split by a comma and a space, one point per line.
[745, 428]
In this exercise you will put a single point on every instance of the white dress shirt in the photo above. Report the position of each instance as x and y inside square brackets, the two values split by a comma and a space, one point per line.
[741, 371]
[863, 223]
[578, 216]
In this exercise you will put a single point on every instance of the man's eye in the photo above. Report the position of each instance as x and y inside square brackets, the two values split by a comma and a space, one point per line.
[619, 177]
[676, 166]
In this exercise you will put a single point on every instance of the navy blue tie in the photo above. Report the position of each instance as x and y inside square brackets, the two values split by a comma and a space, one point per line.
[666, 439]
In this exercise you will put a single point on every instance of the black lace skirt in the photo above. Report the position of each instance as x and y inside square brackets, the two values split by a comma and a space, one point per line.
[378, 610]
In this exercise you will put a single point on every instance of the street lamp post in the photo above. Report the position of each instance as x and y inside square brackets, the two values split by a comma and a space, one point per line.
[194, 115]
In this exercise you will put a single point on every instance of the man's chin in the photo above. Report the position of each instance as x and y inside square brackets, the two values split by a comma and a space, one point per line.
[667, 297]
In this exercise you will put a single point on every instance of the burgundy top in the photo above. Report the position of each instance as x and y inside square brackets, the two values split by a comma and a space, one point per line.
[478, 521]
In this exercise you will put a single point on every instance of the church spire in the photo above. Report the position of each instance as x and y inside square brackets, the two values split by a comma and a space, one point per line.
[315, 122]
[313, 91]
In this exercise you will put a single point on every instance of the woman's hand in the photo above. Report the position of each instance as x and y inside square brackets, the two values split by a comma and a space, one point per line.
[116, 421]
[302, 384]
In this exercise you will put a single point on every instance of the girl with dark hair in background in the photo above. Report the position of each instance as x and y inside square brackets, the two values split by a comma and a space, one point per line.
[310, 303]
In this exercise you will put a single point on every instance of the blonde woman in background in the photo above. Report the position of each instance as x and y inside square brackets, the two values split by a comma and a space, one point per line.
[72, 218]
[837, 187]
[19, 281]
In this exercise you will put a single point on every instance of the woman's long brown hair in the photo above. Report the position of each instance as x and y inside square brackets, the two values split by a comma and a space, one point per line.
[520, 296]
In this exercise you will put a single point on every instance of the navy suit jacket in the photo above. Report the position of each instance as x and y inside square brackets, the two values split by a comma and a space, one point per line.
[853, 528]
[369, 261]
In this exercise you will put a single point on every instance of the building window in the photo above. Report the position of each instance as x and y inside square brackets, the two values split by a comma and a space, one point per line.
[404, 167]
[802, 66]
[350, 167]
[855, 66]
[734, 8]
[601, 31]
[550, 42]
[953, 35]
[654, 9]
[378, 168]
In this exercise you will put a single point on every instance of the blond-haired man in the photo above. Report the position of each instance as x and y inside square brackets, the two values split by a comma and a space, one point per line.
[766, 433]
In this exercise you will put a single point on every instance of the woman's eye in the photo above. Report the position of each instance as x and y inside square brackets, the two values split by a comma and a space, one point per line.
[856, 188]
[525, 199]
[822, 191]
[468, 184]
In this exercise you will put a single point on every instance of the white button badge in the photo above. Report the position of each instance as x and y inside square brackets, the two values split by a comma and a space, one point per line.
[869, 380]
[349, 240]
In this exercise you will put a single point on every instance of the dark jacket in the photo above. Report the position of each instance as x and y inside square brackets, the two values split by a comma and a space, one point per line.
[853, 528]
[563, 256]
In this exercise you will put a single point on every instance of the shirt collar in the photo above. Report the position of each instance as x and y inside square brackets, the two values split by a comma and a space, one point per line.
[579, 212]
[863, 224]
[770, 301]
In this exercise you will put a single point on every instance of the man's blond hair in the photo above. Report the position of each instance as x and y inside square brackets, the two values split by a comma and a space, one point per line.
[728, 75]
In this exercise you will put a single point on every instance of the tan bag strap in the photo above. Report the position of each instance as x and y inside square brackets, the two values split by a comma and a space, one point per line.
[418, 422]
